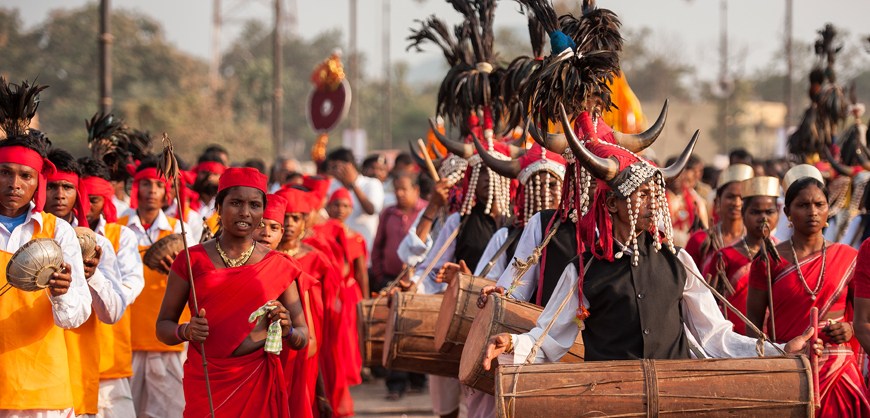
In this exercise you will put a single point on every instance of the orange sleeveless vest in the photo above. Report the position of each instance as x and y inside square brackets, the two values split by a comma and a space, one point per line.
[34, 371]
[143, 313]
[116, 354]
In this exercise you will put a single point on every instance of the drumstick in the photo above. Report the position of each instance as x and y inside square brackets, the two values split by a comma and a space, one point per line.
[432, 171]
[814, 357]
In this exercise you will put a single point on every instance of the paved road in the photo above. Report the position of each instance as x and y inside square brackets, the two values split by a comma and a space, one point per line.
[368, 400]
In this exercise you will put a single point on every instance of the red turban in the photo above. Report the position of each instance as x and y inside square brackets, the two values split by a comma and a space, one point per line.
[83, 203]
[17, 154]
[95, 186]
[146, 174]
[276, 207]
[246, 177]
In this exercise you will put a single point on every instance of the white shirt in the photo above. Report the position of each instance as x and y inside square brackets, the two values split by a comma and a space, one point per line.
[107, 298]
[129, 262]
[495, 243]
[193, 222]
[412, 250]
[427, 285]
[161, 223]
[121, 206]
[359, 221]
[704, 322]
[528, 282]
[72, 309]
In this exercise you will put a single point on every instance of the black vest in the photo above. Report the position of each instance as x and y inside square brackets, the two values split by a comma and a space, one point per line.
[635, 312]
[561, 249]
[474, 236]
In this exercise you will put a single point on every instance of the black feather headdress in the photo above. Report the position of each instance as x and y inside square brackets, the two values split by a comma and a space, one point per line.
[18, 104]
[584, 59]
[434, 30]
[108, 141]
[519, 72]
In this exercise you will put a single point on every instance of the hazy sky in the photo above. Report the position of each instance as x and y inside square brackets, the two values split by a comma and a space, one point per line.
[688, 28]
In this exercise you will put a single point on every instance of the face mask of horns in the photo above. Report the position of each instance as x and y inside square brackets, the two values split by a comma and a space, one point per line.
[635, 143]
[467, 150]
[607, 168]
[505, 168]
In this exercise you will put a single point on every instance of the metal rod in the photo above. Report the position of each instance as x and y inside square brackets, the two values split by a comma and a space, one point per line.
[278, 89]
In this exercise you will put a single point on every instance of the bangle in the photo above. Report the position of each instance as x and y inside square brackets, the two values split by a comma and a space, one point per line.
[180, 335]
[427, 218]
[289, 333]
[510, 346]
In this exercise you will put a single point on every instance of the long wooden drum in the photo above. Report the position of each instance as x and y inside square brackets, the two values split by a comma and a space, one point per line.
[409, 344]
[372, 323]
[750, 387]
[458, 310]
[501, 315]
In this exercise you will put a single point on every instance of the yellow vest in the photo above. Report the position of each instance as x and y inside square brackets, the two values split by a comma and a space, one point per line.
[116, 354]
[143, 313]
[34, 371]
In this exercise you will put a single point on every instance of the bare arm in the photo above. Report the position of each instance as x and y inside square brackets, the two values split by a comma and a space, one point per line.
[362, 276]
[299, 337]
[364, 201]
[862, 322]
[173, 304]
[756, 308]
[437, 200]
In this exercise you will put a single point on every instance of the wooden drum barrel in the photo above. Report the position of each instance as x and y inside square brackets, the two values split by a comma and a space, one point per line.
[753, 387]
[501, 315]
[372, 323]
[457, 312]
[409, 344]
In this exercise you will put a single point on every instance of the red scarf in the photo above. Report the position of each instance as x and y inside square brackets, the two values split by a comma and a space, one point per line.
[95, 186]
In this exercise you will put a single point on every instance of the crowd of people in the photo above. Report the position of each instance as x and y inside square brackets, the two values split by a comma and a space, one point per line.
[223, 288]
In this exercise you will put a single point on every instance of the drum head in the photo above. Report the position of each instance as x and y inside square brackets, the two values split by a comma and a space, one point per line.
[170, 244]
[88, 242]
[471, 371]
[31, 267]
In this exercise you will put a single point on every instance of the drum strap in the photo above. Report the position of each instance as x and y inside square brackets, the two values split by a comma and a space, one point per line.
[651, 386]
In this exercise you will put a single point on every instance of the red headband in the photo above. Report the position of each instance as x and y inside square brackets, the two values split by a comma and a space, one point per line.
[17, 154]
[247, 177]
[276, 207]
[210, 166]
[318, 185]
[146, 174]
[83, 204]
[96, 186]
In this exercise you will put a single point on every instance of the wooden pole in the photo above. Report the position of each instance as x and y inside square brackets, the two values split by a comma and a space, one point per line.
[432, 171]
[105, 50]
[278, 90]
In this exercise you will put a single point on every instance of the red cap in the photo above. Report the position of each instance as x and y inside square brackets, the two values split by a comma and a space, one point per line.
[298, 201]
[276, 206]
[341, 194]
[246, 177]
[319, 185]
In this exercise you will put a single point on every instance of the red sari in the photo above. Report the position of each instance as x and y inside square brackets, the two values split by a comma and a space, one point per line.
[301, 367]
[735, 265]
[333, 356]
[242, 386]
[843, 392]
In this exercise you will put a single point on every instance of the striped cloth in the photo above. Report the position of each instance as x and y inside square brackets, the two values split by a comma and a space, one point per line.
[273, 334]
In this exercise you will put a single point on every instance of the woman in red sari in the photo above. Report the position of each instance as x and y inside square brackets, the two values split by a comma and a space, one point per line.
[813, 273]
[235, 277]
[728, 269]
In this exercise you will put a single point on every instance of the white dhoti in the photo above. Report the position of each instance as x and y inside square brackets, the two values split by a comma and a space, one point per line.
[156, 384]
[446, 394]
[479, 404]
[116, 399]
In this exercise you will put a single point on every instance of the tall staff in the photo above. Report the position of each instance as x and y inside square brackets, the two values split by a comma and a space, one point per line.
[168, 168]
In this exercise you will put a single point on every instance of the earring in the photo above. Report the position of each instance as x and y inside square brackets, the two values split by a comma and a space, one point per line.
[261, 225]
[789, 222]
